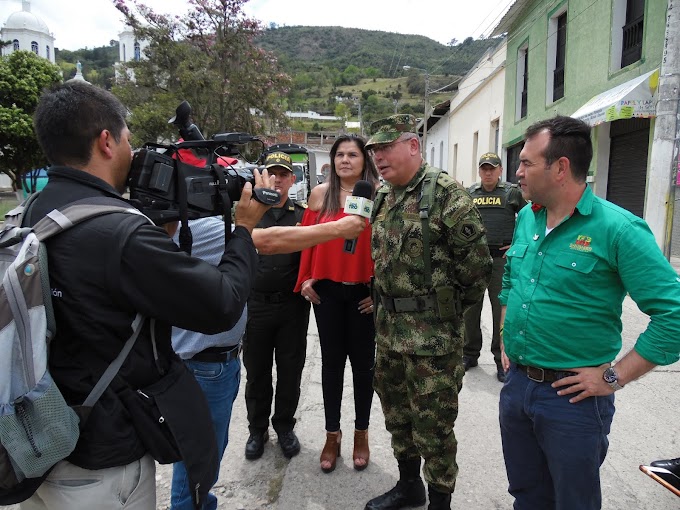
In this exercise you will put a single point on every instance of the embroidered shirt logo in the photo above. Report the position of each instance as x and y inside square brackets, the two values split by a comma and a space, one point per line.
[582, 243]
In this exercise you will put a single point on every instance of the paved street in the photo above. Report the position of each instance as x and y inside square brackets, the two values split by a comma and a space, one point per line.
[645, 428]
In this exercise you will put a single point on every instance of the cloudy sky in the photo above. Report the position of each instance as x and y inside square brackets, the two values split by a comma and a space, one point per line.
[91, 23]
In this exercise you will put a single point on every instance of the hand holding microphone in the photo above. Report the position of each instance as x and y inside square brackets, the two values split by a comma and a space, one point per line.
[359, 203]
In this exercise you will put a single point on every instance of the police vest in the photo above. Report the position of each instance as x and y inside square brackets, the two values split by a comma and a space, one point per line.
[498, 209]
[278, 273]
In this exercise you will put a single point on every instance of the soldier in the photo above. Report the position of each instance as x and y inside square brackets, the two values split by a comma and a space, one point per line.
[498, 203]
[431, 263]
[277, 327]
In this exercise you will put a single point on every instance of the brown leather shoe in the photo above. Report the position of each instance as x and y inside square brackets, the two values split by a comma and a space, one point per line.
[331, 450]
[361, 450]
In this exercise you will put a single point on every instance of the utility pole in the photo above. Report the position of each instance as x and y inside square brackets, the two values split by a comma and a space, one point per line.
[664, 178]
[427, 113]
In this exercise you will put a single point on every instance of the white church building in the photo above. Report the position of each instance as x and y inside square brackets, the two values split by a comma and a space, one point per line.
[26, 31]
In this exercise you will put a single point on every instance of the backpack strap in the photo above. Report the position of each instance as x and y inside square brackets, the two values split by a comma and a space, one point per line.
[425, 200]
[62, 219]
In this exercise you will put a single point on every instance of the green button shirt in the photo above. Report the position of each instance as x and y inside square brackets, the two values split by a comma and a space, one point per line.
[564, 292]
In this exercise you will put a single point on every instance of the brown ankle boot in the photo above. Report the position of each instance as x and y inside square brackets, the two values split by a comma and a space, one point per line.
[331, 450]
[361, 450]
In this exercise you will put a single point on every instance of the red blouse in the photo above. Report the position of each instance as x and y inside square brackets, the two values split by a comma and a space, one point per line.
[329, 261]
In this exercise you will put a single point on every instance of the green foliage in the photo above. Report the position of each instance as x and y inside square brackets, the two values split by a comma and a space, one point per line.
[97, 63]
[23, 76]
[337, 48]
[207, 57]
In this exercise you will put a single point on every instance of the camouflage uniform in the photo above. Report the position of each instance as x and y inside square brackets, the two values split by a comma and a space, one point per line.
[419, 364]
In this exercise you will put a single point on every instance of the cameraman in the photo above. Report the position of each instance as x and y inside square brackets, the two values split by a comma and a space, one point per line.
[102, 273]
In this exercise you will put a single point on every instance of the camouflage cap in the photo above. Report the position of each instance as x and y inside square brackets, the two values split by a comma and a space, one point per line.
[490, 158]
[278, 159]
[389, 129]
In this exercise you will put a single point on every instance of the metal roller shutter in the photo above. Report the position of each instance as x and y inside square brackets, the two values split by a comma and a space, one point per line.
[628, 164]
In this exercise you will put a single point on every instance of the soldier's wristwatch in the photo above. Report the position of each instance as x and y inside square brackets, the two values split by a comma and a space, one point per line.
[612, 378]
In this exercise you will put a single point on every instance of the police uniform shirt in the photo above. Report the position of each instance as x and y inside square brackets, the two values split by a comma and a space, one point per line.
[278, 273]
[498, 208]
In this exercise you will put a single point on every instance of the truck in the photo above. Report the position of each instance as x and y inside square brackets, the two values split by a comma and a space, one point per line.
[304, 168]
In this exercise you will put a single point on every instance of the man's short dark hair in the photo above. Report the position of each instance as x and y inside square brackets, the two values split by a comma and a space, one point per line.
[70, 116]
[569, 138]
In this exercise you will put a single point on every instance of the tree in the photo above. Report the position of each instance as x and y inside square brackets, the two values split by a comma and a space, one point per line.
[23, 76]
[207, 57]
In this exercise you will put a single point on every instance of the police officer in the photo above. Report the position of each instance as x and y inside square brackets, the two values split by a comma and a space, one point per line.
[498, 203]
[431, 263]
[277, 328]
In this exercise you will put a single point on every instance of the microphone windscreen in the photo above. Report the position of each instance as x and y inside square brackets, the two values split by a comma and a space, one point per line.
[362, 189]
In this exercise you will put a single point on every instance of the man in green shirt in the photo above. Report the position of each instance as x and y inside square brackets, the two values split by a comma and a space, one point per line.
[573, 258]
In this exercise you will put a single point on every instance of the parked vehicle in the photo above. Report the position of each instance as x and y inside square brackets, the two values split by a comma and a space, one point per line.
[304, 166]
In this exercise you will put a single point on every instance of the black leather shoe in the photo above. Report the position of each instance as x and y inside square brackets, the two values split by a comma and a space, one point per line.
[500, 374]
[255, 445]
[289, 444]
[469, 363]
[407, 493]
[672, 465]
[438, 500]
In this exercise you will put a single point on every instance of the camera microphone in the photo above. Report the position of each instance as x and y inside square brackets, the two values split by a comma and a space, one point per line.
[359, 203]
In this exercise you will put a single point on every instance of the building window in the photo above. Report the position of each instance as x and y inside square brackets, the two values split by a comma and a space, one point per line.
[431, 156]
[475, 151]
[633, 32]
[138, 53]
[455, 159]
[557, 52]
[15, 44]
[124, 56]
[522, 81]
[47, 52]
[627, 32]
[513, 161]
[494, 133]
[34, 47]
[441, 154]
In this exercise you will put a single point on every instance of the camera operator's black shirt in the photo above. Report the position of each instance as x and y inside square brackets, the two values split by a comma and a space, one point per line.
[104, 271]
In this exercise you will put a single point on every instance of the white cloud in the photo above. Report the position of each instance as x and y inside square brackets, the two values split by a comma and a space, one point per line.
[80, 23]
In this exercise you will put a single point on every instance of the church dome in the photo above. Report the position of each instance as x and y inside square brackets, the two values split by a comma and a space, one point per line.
[26, 20]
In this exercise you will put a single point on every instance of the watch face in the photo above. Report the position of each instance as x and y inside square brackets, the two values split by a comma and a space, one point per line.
[610, 375]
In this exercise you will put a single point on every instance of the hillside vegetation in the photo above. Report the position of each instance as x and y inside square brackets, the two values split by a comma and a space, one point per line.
[336, 70]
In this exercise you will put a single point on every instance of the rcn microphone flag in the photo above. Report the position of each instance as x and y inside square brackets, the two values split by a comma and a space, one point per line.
[359, 203]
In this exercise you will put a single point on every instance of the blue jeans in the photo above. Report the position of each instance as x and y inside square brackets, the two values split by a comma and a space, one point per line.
[553, 449]
[220, 382]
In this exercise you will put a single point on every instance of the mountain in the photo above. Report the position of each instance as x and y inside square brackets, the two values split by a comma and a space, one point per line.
[300, 47]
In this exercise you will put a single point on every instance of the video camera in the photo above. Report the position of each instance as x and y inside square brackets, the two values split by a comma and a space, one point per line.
[168, 185]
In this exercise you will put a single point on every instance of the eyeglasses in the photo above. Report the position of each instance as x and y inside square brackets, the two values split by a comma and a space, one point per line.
[386, 148]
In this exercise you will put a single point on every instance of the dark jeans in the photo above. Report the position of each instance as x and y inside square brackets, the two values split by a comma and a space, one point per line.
[275, 331]
[553, 449]
[343, 332]
[473, 331]
[219, 382]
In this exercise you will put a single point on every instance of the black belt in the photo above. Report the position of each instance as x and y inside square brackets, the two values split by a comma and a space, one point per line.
[544, 374]
[217, 354]
[271, 297]
[412, 304]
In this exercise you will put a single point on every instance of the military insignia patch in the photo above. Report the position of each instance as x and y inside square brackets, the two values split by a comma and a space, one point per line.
[468, 230]
[414, 248]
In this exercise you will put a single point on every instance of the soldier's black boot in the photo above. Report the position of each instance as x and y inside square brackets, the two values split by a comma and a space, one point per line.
[438, 500]
[409, 491]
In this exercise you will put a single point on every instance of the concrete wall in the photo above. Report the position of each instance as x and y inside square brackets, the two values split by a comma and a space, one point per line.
[475, 111]
[588, 57]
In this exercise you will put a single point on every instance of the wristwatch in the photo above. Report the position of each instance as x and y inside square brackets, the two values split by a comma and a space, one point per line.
[612, 378]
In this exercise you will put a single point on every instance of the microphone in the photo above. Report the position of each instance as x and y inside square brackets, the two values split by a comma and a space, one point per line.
[359, 203]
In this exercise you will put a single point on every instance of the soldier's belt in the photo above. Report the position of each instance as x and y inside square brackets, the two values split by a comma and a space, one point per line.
[412, 304]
